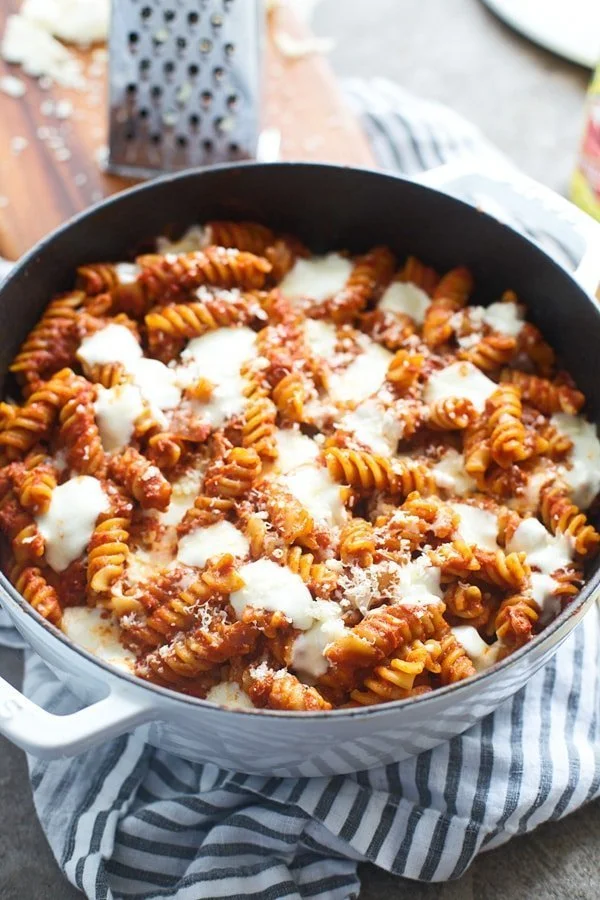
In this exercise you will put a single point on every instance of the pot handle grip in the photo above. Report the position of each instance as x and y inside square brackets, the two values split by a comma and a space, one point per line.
[49, 736]
[538, 206]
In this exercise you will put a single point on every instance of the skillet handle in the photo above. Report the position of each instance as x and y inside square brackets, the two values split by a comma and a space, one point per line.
[48, 736]
[564, 230]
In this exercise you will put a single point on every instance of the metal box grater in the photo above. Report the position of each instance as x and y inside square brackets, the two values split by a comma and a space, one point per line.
[184, 83]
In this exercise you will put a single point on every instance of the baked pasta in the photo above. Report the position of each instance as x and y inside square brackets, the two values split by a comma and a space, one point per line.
[275, 480]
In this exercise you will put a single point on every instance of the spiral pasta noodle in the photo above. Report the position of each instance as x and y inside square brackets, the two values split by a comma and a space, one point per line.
[368, 278]
[167, 276]
[141, 479]
[543, 394]
[31, 584]
[560, 515]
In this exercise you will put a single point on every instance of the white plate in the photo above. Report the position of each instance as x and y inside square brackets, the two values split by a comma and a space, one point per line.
[570, 28]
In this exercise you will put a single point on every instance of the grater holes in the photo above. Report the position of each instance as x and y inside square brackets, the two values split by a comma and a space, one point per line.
[145, 65]
[156, 138]
[133, 38]
[229, 50]
[169, 67]
[131, 88]
[232, 102]
[181, 43]
[193, 70]
[146, 12]
[224, 124]
[156, 91]
[233, 148]
[129, 133]
[194, 120]
[218, 74]
[144, 112]
[193, 18]
[206, 45]
[216, 21]
[169, 15]
[181, 140]
[206, 99]
[208, 145]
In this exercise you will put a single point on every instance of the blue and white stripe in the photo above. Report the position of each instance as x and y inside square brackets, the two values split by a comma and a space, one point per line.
[130, 821]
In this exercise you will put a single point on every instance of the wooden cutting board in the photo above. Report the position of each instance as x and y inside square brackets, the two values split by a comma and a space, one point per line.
[51, 151]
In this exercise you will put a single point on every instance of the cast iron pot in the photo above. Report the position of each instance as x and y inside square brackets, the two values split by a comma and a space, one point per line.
[329, 208]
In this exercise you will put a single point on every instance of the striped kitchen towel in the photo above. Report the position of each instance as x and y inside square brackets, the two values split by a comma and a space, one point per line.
[130, 821]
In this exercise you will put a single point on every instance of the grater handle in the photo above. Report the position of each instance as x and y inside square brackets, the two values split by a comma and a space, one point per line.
[556, 208]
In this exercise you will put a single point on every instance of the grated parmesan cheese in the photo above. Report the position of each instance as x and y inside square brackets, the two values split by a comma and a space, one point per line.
[80, 22]
[39, 54]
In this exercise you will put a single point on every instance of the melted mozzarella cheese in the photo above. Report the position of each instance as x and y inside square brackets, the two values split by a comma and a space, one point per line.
[200, 545]
[114, 343]
[127, 272]
[308, 647]
[545, 554]
[317, 278]
[195, 238]
[69, 521]
[294, 449]
[218, 356]
[505, 318]
[274, 588]
[157, 383]
[363, 377]
[230, 695]
[583, 473]
[321, 337]
[449, 473]
[117, 410]
[184, 492]
[373, 426]
[405, 298]
[482, 655]
[419, 582]
[318, 493]
[477, 527]
[461, 379]
[90, 629]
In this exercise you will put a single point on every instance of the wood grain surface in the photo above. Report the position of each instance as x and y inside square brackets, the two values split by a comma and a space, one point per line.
[50, 166]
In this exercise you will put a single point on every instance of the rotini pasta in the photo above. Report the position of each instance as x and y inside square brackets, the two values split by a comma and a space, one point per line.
[326, 481]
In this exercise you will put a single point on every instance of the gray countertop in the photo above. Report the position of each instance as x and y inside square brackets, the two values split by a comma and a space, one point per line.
[531, 105]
